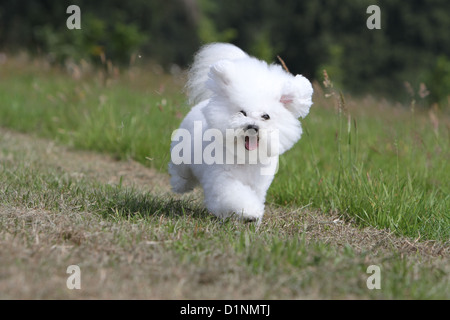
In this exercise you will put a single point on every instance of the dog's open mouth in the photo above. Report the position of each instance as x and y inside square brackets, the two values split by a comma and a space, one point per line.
[251, 142]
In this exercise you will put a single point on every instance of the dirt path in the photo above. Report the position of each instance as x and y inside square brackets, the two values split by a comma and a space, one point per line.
[36, 244]
[78, 164]
[105, 169]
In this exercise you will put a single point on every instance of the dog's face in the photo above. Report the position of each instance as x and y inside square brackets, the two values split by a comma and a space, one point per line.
[260, 104]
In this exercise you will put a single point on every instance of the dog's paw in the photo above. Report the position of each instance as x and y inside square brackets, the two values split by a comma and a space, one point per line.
[251, 217]
[242, 216]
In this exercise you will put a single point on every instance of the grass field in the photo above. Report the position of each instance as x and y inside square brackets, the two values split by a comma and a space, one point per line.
[368, 184]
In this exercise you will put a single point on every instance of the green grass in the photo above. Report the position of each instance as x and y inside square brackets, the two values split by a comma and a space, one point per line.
[115, 119]
[374, 164]
[274, 261]
[388, 173]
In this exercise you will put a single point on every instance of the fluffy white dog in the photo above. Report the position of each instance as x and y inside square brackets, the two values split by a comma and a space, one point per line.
[245, 115]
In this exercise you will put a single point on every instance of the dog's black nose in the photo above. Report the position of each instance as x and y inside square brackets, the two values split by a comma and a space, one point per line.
[254, 127]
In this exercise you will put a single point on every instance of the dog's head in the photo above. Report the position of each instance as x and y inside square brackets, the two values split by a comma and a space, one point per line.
[261, 103]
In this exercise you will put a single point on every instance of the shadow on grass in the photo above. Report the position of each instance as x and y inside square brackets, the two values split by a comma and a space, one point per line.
[131, 203]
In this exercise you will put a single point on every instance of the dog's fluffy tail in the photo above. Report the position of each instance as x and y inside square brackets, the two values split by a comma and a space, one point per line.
[207, 56]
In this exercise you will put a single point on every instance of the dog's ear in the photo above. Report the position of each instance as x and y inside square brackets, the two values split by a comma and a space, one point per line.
[220, 73]
[296, 96]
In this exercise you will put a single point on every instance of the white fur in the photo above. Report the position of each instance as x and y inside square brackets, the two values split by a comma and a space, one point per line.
[222, 81]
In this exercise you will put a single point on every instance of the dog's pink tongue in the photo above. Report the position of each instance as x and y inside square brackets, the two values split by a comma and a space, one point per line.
[251, 143]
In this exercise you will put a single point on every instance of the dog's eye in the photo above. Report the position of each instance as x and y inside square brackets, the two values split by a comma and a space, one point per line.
[265, 116]
[243, 112]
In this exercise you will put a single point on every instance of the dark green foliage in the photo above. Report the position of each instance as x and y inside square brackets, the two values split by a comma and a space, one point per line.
[309, 35]
[312, 35]
[157, 30]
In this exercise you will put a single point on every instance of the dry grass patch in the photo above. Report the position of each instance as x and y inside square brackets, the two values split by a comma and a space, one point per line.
[133, 239]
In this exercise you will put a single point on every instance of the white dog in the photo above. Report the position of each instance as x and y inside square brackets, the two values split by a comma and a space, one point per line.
[245, 115]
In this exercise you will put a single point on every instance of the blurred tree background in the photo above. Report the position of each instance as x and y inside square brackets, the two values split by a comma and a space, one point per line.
[413, 44]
